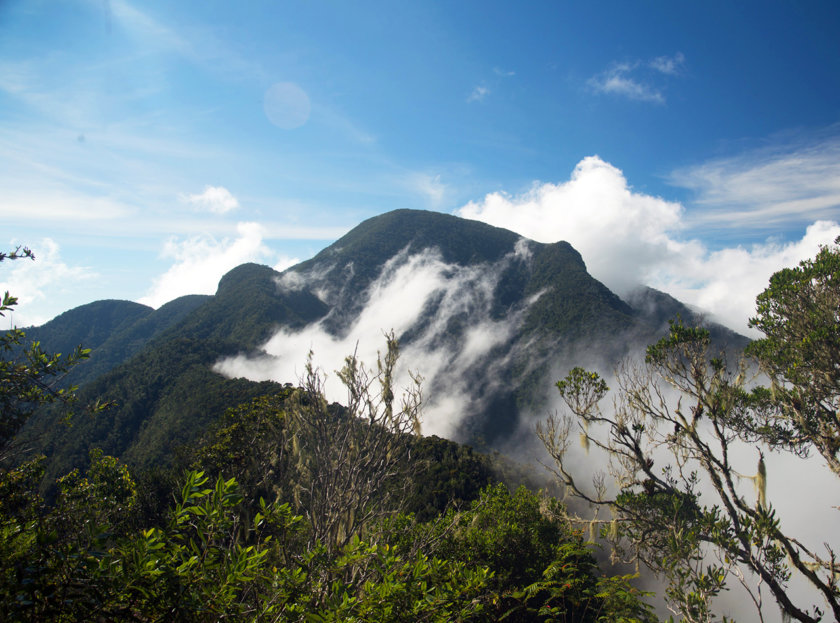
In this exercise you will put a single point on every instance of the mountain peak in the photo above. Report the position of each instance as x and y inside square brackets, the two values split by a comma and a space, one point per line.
[460, 241]
[249, 273]
[490, 319]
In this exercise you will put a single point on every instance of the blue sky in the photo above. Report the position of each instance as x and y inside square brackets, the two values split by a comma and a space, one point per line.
[146, 148]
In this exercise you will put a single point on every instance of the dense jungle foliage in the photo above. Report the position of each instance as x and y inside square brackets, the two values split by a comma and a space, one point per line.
[232, 539]
[289, 509]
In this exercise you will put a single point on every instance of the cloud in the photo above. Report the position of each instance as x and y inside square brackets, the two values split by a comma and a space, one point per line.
[201, 261]
[669, 65]
[481, 91]
[284, 262]
[290, 231]
[17, 78]
[596, 212]
[478, 94]
[195, 44]
[768, 188]
[637, 80]
[617, 81]
[416, 292]
[56, 207]
[146, 28]
[215, 199]
[726, 281]
[40, 285]
[342, 124]
[628, 238]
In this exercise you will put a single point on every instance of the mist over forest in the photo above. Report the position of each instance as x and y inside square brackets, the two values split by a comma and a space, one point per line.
[342, 389]
[474, 311]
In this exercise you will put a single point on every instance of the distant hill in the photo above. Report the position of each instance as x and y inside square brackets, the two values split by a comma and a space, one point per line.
[659, 308]
[113, 330]
[489, 317]
[91, 324]
[166, 392]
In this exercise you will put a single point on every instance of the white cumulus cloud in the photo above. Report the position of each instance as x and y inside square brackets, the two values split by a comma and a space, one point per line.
[629, 238]
[215, 199]
[726, 281]
[621, 234]
[200, 261]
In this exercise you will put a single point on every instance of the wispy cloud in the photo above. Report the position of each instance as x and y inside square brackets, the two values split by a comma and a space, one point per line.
[193, 44]
[17, 77]
[290, 231]
[618, 80]
[669, 65]
[786, 184]
[84, 88]
[482, 90]
[427, 185]
[478, 94]
[343, 124]
[409, 285]
[58, 207]
[146, 27]
[635, 80]
[215, 199]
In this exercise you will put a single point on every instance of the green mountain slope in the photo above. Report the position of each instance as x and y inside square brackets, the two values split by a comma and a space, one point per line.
[247, 306]
[378, 239]
[113, 330]
[166, 393]
[91, 325]
[659, 308]
[542, 308]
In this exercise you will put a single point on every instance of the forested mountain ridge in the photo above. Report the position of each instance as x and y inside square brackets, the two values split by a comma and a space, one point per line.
[166, 394]
[516, 307]
[345, 269]
[494, 318]
[114, 330]
[530, 306]
[287, 508]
